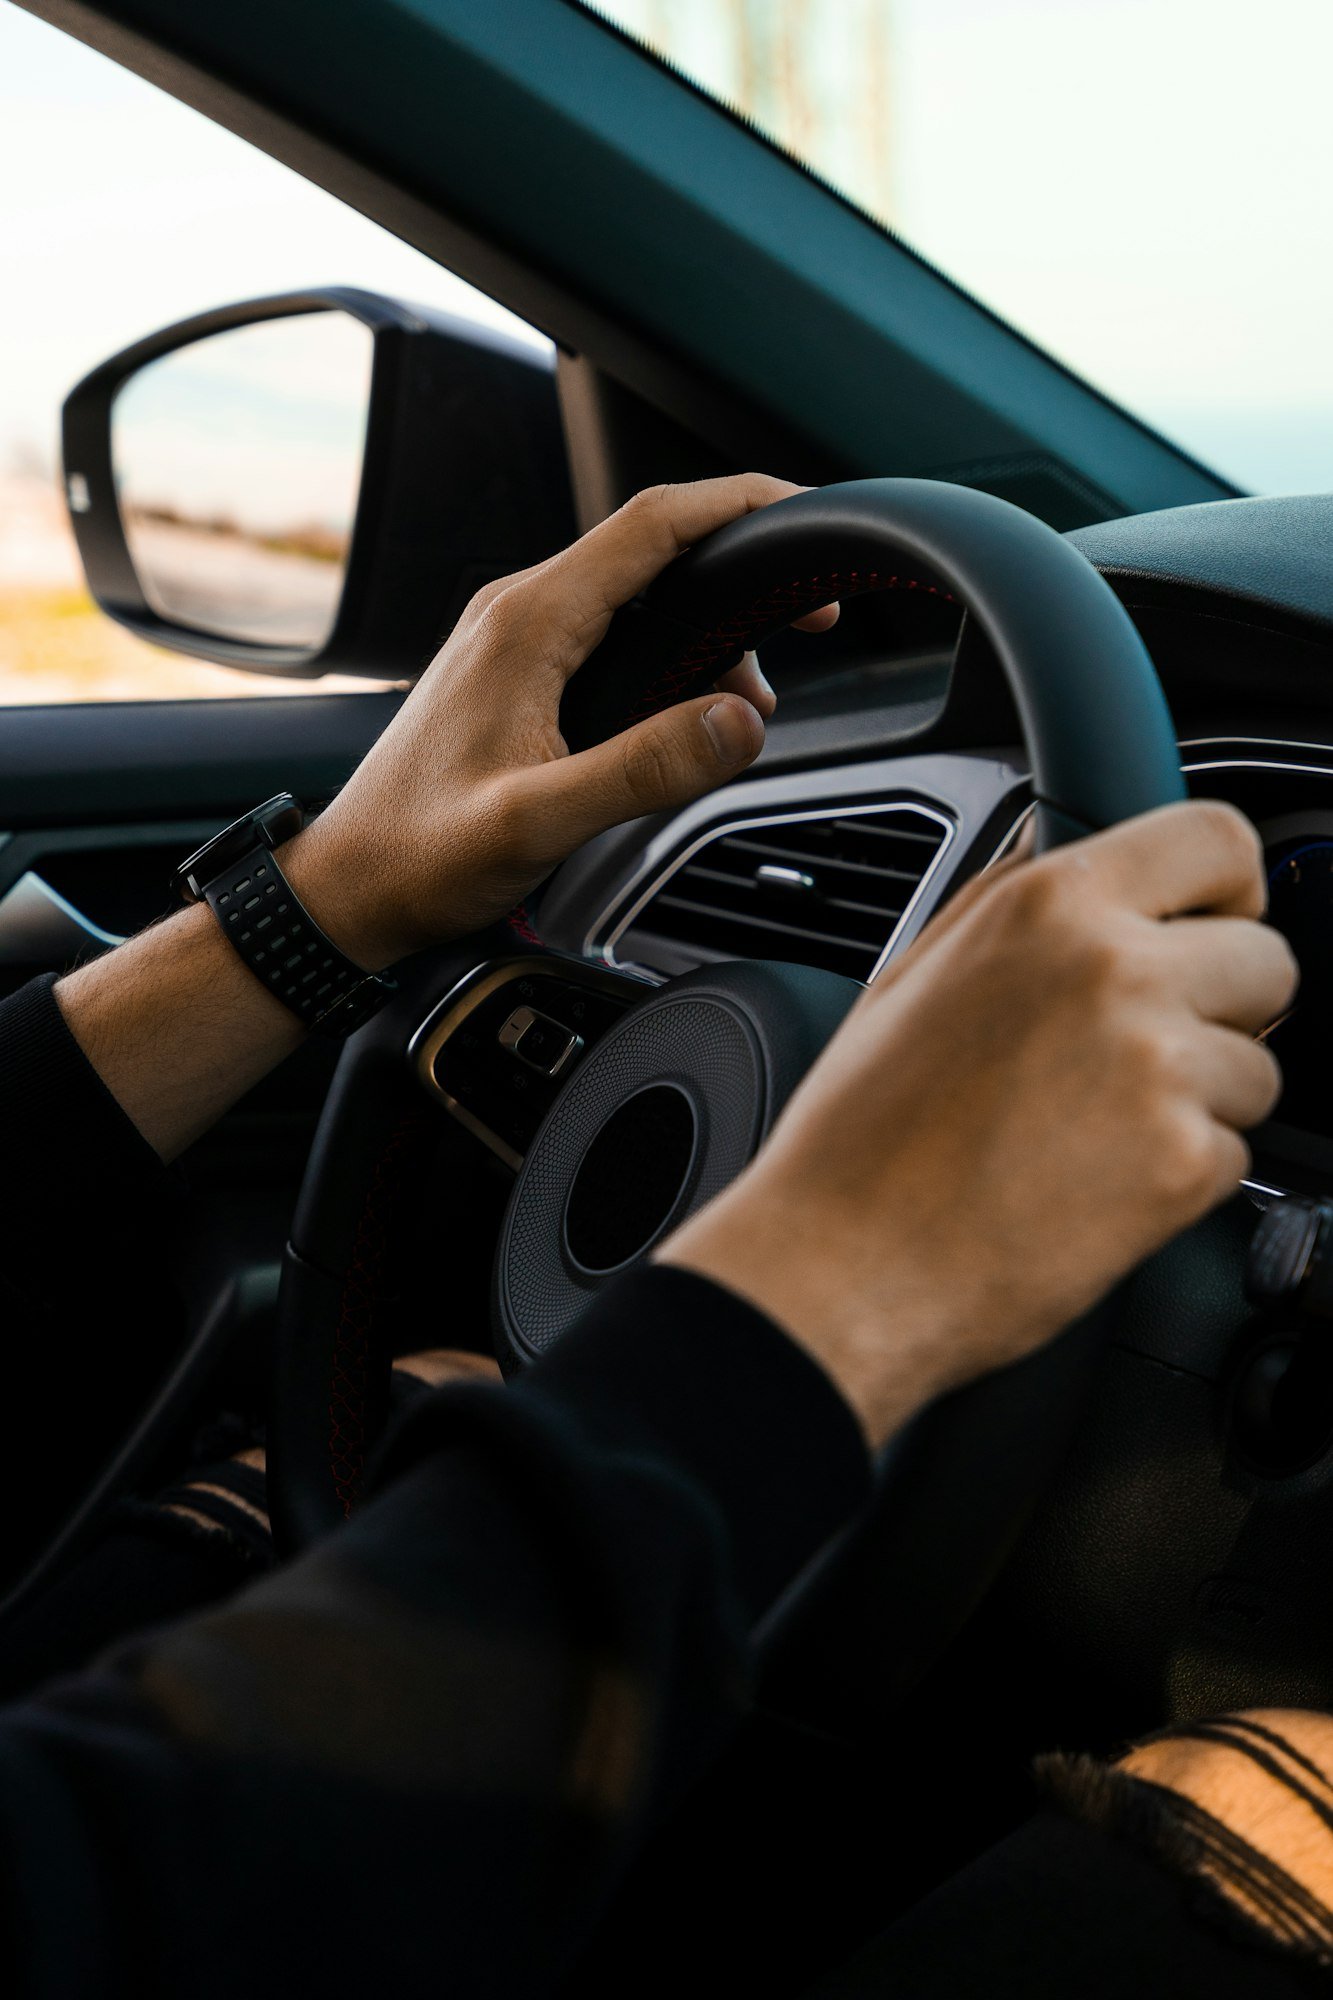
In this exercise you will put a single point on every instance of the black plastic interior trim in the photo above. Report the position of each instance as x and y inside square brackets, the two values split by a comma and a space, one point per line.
[115, 761]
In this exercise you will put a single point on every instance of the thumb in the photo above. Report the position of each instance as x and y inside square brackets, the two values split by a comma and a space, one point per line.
[656, 766]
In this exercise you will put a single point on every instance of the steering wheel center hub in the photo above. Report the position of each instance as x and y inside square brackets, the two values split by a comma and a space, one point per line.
[632, 1179]
[666, 1110]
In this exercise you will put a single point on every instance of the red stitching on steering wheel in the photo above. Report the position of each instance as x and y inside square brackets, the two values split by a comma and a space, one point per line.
[520, 923]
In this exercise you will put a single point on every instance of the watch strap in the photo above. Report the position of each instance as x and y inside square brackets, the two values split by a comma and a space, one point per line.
[283, 946]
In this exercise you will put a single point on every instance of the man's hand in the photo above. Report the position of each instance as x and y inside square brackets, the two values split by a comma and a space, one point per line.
[467, 801]
[470, 797]
[1047, 1087]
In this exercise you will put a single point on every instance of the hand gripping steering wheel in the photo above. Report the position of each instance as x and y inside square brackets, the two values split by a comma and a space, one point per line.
[675, 1098]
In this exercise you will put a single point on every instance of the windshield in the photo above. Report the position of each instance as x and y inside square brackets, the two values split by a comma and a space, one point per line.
[1144, 187]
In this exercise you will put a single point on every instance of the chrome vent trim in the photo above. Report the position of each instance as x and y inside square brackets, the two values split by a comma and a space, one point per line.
[786, 869]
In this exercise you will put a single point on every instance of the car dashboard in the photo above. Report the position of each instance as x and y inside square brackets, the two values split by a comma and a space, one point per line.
[855, 827]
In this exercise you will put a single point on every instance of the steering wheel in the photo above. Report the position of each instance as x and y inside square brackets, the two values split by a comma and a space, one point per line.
[680, 1089]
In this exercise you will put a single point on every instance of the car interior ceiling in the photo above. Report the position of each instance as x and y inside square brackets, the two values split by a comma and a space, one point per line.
[103, 802]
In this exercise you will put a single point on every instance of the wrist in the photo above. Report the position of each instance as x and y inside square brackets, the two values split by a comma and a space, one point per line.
[330, 882]
[1261, 1779]
[176, 1026]
[886, 1361]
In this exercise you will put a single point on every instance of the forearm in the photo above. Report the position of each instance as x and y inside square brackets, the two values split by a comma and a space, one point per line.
[176, 1027]
[1241, 1804]
[466, 803]
[175, 1023]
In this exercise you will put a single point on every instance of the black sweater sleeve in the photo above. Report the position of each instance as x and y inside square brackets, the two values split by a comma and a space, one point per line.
[421, 1755]
[90, 1315]
[432, 1741]
[74, 1169]
[418, 1760]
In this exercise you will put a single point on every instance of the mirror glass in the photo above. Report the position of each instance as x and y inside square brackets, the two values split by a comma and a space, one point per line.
[237, 461]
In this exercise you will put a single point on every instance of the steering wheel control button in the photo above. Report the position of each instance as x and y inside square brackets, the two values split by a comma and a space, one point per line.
[498, 1065]
[1289, 1261]
[545, 1045]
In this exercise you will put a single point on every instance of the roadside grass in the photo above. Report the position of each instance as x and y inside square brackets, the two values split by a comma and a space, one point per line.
[56, 646]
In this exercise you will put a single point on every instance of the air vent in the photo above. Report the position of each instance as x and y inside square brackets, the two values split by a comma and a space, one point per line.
[826, 889]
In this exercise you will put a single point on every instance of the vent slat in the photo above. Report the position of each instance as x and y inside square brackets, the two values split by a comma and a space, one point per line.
[792, 899]
[772, 852]
[697, 869]
[763, 923]
[880, 910]
[866, 867]
[885, 832]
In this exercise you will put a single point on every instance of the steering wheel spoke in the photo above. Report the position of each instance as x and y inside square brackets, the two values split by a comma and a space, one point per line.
[505, 1041]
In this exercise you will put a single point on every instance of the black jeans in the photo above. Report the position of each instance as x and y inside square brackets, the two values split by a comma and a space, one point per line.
[1056, 1909]
[148, 1568]
[1063, 1910]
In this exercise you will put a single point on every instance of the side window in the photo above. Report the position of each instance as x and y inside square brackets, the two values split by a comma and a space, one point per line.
[120, 212]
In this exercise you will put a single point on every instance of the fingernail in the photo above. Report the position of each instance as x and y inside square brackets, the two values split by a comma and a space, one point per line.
[730, 731]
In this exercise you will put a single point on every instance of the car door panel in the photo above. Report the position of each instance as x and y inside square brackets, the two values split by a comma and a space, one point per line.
[97, 805]
[145, 761]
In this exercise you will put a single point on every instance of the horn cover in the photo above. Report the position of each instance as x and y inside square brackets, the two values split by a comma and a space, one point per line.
[667, 1109]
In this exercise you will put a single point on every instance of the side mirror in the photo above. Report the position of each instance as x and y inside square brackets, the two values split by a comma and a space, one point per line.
[312, 484]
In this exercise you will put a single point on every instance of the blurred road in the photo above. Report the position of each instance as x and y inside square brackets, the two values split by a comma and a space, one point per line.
[56, 646]
[229, 583]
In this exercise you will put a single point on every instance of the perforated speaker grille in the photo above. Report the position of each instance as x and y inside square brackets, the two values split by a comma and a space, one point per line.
[702, 1045]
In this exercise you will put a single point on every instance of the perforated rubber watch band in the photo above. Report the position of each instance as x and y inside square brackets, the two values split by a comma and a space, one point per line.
[239, 878]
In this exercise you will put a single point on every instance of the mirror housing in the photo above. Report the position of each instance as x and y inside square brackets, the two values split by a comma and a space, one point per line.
[463, 479]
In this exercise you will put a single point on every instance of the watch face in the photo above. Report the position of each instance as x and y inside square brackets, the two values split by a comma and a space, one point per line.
[278, 819]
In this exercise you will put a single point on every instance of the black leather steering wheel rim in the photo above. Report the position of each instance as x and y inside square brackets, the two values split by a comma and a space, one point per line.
[1094, 719]
[1102, 749]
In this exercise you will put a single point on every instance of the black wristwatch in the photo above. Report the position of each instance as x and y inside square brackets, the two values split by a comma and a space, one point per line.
[237, 875]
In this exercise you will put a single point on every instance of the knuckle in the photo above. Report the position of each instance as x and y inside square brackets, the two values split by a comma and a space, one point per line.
[1191, 1158]
[651, 768]
[1153, 1056]
[649, 500]
[1233, 835]
[1268, 1081]
[1070, 937]
[498, 602]
[482, 599]
[1286, 970]
[490, 613]
[1038, 897]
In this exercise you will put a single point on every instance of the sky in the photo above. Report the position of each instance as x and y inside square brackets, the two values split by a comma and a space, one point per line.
[121, 211]
[1144, 186]
[274, 419]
